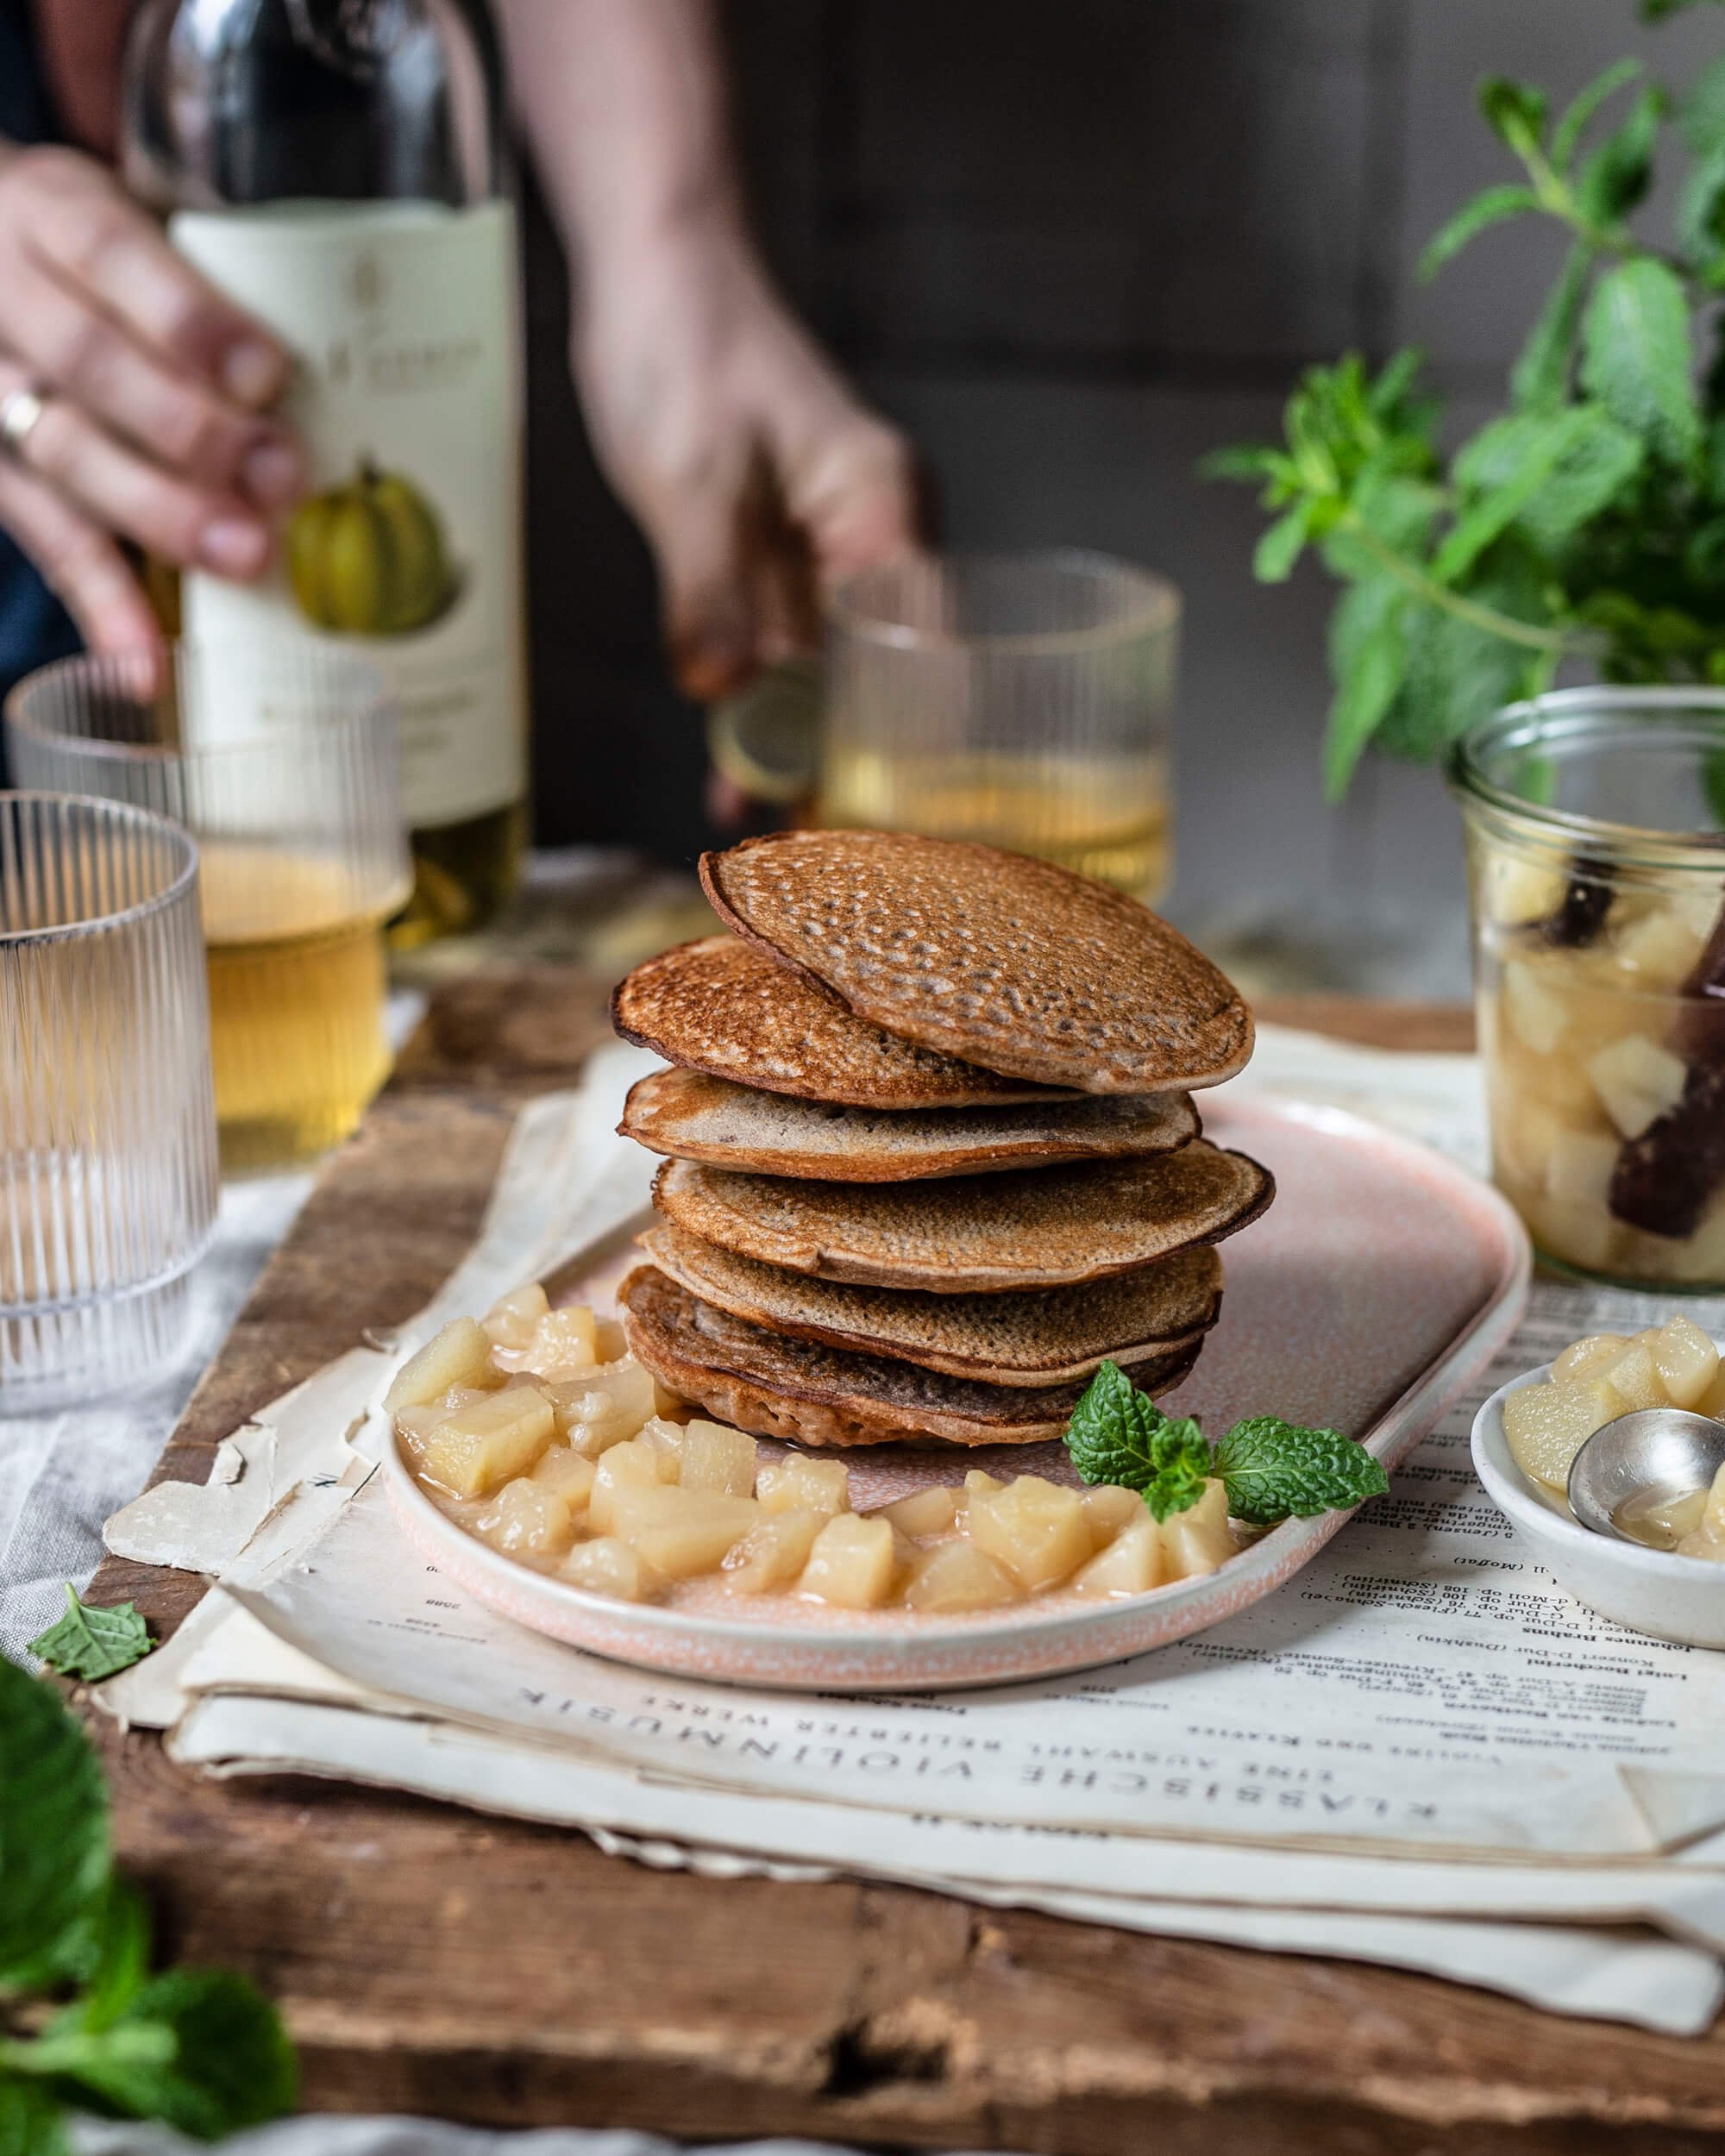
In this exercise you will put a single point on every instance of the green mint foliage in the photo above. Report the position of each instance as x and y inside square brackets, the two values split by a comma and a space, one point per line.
[91, 1643]
[1585, 524]
[54, 1833]
[1271, 1468]
[1118, 1434]
[199, 2049]
[1278, 1470]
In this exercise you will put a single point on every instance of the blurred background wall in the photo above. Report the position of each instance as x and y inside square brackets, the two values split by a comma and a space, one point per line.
[1070, 248]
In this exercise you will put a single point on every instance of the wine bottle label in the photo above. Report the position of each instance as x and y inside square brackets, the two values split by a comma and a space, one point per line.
[401, 318]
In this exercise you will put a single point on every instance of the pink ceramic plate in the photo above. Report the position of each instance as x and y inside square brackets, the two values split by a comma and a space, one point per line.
[1378, 1286]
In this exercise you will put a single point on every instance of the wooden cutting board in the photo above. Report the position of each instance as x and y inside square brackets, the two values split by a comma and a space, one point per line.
[432, 1960]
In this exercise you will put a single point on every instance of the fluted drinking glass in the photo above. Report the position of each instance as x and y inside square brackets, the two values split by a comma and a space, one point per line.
[108, 1177]
[1024, 700]
[302, 851]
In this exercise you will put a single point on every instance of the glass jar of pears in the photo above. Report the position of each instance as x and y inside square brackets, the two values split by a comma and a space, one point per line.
[1596, 875]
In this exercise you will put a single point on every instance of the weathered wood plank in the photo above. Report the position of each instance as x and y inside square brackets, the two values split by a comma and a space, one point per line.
[433, 1960]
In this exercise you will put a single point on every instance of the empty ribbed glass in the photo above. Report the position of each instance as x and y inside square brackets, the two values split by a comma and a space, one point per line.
[303, 856]
[1021, 699]
[108, 1179]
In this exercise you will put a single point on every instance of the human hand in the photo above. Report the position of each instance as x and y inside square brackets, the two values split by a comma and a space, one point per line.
[154, 390]
[758, 477]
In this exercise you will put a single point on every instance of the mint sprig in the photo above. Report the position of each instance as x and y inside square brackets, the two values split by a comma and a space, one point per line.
[92, 1643]
[200, 2049]
[1271, 1470]
[1118, 1434]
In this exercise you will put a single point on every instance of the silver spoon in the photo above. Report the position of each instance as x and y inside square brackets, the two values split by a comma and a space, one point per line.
[1662, 1452]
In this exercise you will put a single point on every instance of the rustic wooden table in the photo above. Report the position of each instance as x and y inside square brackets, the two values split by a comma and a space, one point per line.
[431, 1960]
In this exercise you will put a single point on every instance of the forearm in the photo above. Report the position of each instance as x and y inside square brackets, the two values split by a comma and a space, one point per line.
[624, 102]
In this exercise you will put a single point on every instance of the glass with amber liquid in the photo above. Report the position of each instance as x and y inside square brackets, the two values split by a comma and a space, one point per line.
[1024, 700]
[302, 859]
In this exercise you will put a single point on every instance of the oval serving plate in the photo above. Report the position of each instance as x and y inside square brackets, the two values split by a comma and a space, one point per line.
[1378, 1287]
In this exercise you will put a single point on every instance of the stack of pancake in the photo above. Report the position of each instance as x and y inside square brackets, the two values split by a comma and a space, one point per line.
[932, 1156]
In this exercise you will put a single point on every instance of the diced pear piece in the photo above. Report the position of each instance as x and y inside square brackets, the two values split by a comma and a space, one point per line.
[681, 1532]
[603, 1409]
[561, 1468]
[459, 1355]
[1685, 1361]
[1582, 1358]
[1132, 1562]
[717, 1458]
[925, 1511]
[1637, 1081]
[851, 1562]
[1197, 1541]
[1661, 948]
[976, 1483]
[1634, 1379]
[773, 1552]
[1547, 1425]
[1579, 1166]
[1712, 1401]
[527, 1520]
[957, 1575]
[1537, 1014]
[1517, 891]
[1036, 1529]
[632, 1465]
[606, 1566]
[672, 1407]
[666, 1440]
[564, 1342]
[510, 1321]
[1108, 1510]
[474, 1449]
[798, 1484]
[610, 1339]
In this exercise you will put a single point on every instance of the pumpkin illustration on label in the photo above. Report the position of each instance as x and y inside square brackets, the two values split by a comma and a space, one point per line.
[367, 558]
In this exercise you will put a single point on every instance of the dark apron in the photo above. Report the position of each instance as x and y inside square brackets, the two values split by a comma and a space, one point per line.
[34, 626]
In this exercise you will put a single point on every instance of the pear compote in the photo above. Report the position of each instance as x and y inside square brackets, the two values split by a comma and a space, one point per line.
[1596, 868]
[535, 1431]
[1595, 1380]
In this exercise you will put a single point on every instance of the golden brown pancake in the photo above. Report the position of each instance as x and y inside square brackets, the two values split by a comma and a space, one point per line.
[775, 1387]
[1049, 1336]
[731, 1010]
[691, 1115]
[973, 1234]
[1006, 962]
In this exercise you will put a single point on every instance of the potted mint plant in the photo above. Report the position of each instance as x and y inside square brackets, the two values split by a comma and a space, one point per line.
[1583, 527]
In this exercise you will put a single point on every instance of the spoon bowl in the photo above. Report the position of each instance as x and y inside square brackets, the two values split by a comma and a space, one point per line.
[1655, 1452]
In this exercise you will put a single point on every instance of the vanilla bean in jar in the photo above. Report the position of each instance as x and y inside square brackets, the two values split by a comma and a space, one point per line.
[1596, 872]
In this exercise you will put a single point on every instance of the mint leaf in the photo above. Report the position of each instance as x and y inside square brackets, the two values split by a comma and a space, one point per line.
[1118, 1434]
[1572, 125]
[90, 1642]
[199, 2048]
[1620, 171]
[1514, 111]
[1492, 207]
[1540, 379]
[1636, 357]
[29, 2120]
[1368, 655]
[1273, 1470]
[1548, 473]
[1280, 546]
[53, 1831]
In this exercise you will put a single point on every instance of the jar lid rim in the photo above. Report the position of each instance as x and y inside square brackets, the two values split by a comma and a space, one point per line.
[1566, 713]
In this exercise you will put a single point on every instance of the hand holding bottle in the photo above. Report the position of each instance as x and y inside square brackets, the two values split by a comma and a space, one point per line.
[134, 398]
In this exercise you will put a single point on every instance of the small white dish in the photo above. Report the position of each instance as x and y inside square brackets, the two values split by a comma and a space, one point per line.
[1654, 1591]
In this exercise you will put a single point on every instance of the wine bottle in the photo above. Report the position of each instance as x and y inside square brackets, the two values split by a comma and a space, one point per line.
[338, 167]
